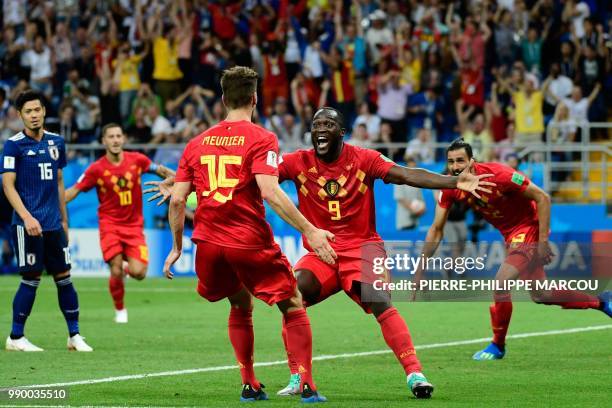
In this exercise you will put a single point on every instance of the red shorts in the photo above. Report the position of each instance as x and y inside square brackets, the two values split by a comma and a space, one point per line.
[522, 247]
[129, 241]
[223, 271]
[351, 266]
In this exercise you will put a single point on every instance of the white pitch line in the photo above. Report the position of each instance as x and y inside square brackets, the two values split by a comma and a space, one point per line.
[316, 358]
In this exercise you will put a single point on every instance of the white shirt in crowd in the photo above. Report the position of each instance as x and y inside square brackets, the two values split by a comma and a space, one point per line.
[578, 20]
[372, 123]
[313, 63]
[560, 87]
[578, 111]
[161, 125]
[40, 64]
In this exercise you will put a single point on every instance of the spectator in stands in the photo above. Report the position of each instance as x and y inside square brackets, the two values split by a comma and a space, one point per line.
[167, 74]
[41, 63]
[578, 106]
[379, 37]
[145, 99]
[531, 48]
[87, 107]
[513, 161]
[160, 125]
[505, 42]
[139, 131]
[420, 148]
[556, 87]
[127, 78]
[370, 120]
[275, 81]
[359, 136]
[341, 80]
[529, 119]
[410, 205]
[353, 46]
[392, 101]
[505, 147]
[68, 128]
[474, 126]
[425, 110]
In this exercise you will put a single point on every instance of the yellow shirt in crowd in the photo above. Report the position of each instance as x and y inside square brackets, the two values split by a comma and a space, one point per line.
[165, 57]
[129, 77]
[528, 114]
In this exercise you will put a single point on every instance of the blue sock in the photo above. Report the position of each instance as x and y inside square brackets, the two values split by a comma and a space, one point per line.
[22, 305]
[69, 304]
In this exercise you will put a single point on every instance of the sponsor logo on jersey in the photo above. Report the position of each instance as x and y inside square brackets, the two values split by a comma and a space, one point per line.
[54, 152]
[518, 178]
[31, 153]
[272, 159]
[332, 187]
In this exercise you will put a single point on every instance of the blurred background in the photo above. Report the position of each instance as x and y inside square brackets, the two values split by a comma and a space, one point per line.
[527, 83]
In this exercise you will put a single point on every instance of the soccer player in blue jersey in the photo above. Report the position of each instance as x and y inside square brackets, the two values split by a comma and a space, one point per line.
[32, 179]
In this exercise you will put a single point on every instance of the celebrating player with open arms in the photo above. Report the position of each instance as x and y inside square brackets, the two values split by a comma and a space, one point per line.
[520, 210]
[233, 166]
[335, 182]
[33, 182]
[116, 177]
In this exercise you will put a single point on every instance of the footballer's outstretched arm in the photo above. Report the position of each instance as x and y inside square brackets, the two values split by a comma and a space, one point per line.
[32, 225]
[284, 207]
[71, 193]
[426, 179]
[176, 218]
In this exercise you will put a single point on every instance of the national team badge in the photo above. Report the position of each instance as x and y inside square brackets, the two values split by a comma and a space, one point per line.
[122, 182]
[54, 152]
[332, 187]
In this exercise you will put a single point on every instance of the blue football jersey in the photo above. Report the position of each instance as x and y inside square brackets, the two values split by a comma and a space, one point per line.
[36, 165]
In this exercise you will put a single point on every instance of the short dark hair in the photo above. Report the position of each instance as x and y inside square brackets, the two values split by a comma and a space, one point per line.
[238, 85]
[108, 126]
[339, 114]
[459, 144]
[27, 96]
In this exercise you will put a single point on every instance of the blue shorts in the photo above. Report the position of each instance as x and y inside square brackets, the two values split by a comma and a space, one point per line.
[48, 252]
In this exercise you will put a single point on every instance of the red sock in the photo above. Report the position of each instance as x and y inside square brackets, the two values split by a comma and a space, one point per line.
[117, 291]
[240, 328]
[293, 368]
[501, 312]
[398, 339]
[299, 344]
[572, 299]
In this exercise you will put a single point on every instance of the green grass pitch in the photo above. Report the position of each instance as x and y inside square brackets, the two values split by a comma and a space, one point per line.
[172, 329]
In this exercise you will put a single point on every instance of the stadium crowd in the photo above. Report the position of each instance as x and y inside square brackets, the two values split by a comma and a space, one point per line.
[413, 72]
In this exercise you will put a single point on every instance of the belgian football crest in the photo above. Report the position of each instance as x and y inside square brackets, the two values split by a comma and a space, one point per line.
[332, 187]
[122, 182]
[54, 152]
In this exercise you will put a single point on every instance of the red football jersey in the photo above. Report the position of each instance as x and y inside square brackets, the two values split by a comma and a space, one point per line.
[505, 207]
[338, 196]
[118, 187]
[221, 164]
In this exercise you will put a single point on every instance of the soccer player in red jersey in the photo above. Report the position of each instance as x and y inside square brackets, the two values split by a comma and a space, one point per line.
[116, 177]
[233, 166]
[521, 212]
[335, 184]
